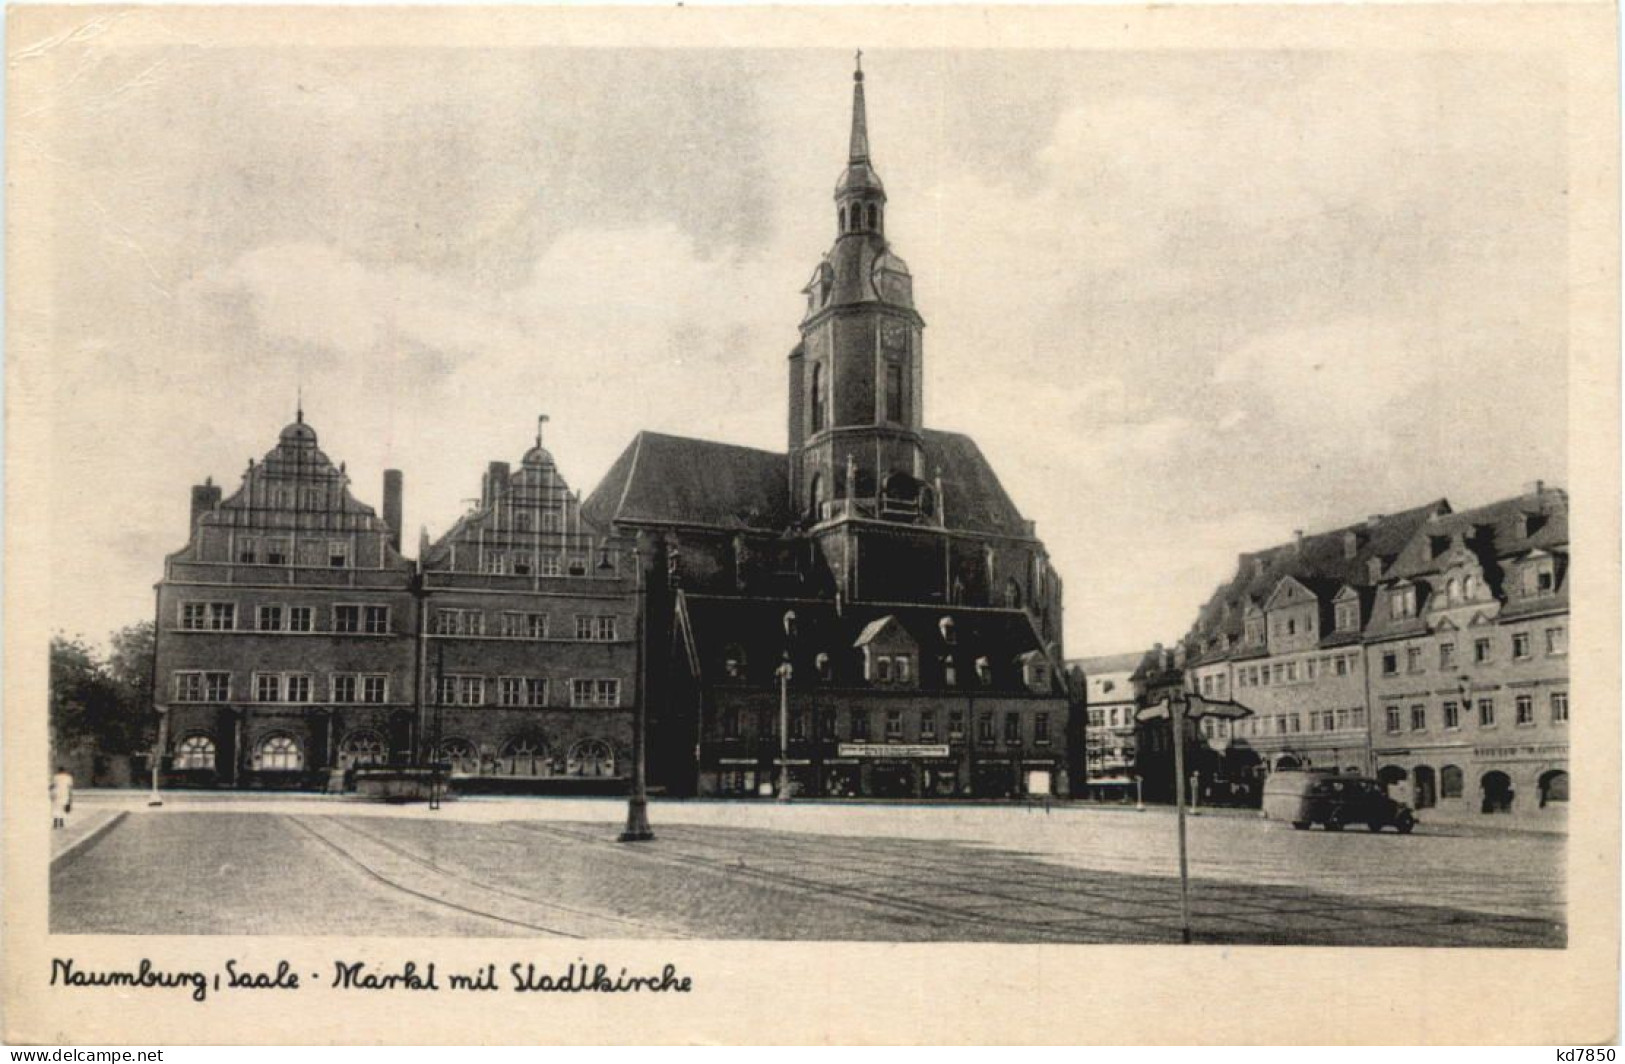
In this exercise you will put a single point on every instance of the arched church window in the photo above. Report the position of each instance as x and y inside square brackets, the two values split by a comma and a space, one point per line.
[843, 219]
[1012, 594]
[873, 216]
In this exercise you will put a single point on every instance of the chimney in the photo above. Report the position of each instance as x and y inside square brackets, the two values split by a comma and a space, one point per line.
[1297, 540]
[1373, 520]
[205, 497]
[392, 506]
[1351, 545]
[496, 483]
[1535, 487]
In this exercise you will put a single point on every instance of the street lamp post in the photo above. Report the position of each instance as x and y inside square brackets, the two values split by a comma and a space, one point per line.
[637, 805]
[153, 797]
[1176, 708]
[785, 671]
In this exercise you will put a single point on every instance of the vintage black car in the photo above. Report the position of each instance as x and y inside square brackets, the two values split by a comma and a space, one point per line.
[1305, 798]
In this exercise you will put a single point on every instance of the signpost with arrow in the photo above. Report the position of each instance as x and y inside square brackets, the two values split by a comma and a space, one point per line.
[1175, 709]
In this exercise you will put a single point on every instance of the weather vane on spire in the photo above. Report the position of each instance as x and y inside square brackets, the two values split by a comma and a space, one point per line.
[860, 60]
[299, 402]
[541, 420]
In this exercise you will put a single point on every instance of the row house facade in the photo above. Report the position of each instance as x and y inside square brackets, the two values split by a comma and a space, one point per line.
[1468, 656]
[294, 641]
[1426, 648]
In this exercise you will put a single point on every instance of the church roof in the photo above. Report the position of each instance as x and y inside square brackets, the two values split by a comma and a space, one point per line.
[973, 500]
[678, 480]
[662, 479]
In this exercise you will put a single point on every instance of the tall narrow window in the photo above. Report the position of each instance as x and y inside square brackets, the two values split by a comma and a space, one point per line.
[818, 386]
[894, 391]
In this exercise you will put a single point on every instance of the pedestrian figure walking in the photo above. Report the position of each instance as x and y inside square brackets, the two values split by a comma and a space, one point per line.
[61, 797]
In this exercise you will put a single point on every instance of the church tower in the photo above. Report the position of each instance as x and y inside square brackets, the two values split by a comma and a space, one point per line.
[855, 378]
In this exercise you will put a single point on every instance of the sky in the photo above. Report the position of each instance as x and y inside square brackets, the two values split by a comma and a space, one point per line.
[1186, 301]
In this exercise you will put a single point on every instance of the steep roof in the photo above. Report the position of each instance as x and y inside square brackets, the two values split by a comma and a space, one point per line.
[662, 479]
[1104, 663]
[755, 626]
[1322, 561]
[973, 500]
[1501, 529]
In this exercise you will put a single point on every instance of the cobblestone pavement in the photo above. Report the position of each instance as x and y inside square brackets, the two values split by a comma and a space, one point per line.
[898, 873]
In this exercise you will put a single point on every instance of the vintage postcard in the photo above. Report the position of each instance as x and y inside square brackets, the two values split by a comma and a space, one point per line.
[812, 524]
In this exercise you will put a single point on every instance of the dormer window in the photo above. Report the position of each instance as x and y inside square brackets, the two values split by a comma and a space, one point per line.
[984, 673]
[733, 662]
[950, 673]
[1540, 578]
[946, 627]
[1348, 616]
[1402, 602]
[821, 665]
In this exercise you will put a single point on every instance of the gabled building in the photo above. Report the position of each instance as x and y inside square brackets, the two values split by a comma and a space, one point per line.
[530, 638]
[868, 513]
[1283, 638]
[1467, 650]
[286, 628]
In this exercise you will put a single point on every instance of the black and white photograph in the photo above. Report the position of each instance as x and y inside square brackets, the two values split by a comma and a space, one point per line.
[624, 484]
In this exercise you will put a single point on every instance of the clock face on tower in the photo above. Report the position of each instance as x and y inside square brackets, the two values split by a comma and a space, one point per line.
[894, 337]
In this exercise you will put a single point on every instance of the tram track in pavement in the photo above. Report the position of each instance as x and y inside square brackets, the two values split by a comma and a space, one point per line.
[992, 928]
[479, 899]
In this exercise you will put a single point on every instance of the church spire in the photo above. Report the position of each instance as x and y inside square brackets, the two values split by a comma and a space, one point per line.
[860, 117]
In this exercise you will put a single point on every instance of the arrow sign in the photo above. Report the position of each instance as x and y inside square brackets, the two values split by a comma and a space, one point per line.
[1196, 707]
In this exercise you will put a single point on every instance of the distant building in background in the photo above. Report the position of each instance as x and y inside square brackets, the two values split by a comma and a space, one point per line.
[1109, 748]
[286, 641]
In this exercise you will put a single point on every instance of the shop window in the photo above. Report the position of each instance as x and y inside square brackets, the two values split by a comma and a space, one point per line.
[1450, 782]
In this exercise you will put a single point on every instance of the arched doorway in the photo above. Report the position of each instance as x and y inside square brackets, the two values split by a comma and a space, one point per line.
[1425, 792]
[1396, 782]
[591, 757]
[1554, 787]
[461, 755]
[1287, 762]
[363, 747]
[1498, 794]
[526, 757]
